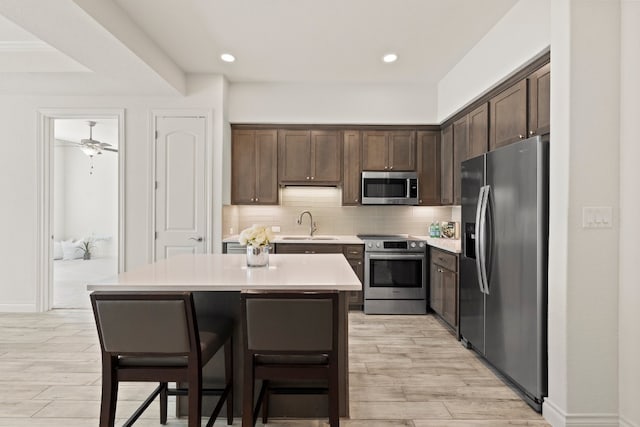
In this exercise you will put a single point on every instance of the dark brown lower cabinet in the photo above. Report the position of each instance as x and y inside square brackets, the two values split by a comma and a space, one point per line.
[353, 253]
[443, 289]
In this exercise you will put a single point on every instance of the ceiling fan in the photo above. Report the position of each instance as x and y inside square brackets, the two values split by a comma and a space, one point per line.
[91, 147]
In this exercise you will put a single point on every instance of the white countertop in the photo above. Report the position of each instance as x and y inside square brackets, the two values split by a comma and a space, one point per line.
[337, 239]
[216, 272]
[450, 245]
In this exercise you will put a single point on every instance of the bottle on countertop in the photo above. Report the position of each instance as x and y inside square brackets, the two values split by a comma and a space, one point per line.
[434, 229]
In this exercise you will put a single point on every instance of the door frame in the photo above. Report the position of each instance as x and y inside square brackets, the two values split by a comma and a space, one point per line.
[44, 153]
[207, 115]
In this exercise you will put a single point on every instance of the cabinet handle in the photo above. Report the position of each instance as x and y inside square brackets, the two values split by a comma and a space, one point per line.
[359, 262]
[531, 133]
[386, 167]
[390, 167]
[313, 177]
[420, 201]
[307, 177]
[256, 199]
[355, 200]
[252, 199]
[521, 136]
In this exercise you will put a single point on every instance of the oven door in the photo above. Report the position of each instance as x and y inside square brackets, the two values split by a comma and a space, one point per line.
[395, 276]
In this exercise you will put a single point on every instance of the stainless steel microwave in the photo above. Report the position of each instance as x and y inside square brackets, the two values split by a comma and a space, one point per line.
[389, 188]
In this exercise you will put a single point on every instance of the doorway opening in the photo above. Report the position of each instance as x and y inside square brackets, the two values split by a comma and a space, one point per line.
[82, 204]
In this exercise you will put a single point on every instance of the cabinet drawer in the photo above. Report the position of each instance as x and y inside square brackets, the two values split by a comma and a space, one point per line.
[353, 251]
[444, 259]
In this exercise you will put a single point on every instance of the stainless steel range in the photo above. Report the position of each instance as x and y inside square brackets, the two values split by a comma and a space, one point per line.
[395, 275]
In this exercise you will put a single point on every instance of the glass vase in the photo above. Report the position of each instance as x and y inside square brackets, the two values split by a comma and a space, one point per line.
[257, 256]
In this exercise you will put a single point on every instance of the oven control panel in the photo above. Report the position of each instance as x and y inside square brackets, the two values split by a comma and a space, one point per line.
[395, 246]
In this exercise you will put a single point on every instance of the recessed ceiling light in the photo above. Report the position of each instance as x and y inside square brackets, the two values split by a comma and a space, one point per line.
[227, 57]
[390, 57]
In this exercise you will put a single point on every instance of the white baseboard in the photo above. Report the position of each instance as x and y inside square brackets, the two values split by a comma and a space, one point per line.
[17, 308]
[559, 418]
[626, 423]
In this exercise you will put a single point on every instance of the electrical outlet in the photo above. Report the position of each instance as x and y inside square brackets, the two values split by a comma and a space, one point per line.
[597, 217]
[275, 228]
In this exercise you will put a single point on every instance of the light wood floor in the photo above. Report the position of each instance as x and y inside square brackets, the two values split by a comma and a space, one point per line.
[404, 371]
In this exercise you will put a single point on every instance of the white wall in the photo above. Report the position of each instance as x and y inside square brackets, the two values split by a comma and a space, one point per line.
[19, 186]
[332, 103]
[583, 263]
[629, 292]
[519, 36]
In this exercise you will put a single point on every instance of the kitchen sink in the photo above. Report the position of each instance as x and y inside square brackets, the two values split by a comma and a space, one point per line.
[309, 238]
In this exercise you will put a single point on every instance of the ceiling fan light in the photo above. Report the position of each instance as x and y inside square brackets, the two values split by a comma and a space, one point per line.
[89, 150]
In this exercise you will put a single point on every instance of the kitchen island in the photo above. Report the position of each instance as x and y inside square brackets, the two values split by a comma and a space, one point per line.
[217, 280]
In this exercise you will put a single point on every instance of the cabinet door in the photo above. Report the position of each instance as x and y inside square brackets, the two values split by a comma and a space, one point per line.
[460, 144]
[508, 116]
[539, 101]
[428, 167]
[352, 167]
[450, 297]
[266, 149]
[478, 131]
[446, 166]
[356, 298]
[243, 167]
[402, 150]
[326, 157]
[294, 154]
[435, 289]
[374, 151]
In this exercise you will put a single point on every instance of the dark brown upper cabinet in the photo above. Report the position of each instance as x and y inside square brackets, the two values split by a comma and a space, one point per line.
[428, 154]
[389, 150]
[309, 157]
[446, 166]
[508, 116]
[478, 131]
[460, 152]
[352, 155]
[539, 101]
[254, 155]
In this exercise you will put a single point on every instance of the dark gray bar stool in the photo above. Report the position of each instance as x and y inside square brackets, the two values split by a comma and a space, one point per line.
[154, 336]
[289, 337]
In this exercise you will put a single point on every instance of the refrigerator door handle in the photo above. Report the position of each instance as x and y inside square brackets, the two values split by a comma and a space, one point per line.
[482, 254]
[479, 241]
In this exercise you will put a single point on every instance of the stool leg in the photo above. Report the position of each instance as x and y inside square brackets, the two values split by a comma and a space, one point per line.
[228, 374]
[109, 392]
[195, 395]
[163, 403]
[247, 391]
[334, 401]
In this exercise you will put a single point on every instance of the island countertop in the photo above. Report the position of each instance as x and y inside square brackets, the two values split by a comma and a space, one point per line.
[217, 272]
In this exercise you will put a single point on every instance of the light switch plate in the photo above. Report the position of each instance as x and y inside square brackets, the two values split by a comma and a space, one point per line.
[275, 228]
[597, 217]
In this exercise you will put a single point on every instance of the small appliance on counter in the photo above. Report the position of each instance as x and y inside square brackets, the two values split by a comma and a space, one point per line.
[395, 275]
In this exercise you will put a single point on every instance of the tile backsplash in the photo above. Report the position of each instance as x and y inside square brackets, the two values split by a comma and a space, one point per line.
[324, 203]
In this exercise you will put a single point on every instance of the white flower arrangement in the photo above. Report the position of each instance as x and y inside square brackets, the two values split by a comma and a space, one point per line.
[256, 235]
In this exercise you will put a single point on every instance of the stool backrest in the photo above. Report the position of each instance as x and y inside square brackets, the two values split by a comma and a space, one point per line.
[290, 321]
[145, 323]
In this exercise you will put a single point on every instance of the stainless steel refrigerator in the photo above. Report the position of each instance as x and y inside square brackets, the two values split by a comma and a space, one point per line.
[503, 266]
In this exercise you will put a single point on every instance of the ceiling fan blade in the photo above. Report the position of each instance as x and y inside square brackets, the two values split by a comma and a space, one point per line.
[114, 150]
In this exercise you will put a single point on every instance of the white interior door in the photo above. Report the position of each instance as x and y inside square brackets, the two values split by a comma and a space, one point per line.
[180, 208]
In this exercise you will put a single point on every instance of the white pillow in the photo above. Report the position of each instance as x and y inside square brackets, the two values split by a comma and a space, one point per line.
[71, 250]
[57, 250]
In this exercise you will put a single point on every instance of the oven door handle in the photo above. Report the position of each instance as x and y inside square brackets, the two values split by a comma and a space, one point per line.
[397, 256]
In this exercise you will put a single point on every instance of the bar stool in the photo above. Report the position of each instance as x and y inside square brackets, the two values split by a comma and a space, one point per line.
[154, 336]
[289, 336]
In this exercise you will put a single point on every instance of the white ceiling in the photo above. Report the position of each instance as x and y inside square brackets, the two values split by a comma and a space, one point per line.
[148, 46]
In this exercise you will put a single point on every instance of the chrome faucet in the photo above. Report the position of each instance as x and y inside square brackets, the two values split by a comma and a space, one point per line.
[312, 225]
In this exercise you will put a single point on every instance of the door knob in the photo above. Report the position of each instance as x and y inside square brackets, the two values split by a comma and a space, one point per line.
[197, 239]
